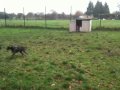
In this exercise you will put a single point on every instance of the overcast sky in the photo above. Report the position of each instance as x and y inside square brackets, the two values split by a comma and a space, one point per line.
[57, 5]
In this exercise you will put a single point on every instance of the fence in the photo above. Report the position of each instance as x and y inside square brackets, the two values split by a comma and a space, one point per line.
[41, 21]
[106, 24]
[45, 21]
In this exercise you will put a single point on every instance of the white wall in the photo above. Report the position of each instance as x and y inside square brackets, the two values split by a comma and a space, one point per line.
[72, 26]
[86, 26]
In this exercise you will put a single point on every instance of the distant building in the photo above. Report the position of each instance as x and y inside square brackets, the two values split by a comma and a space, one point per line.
[110, 16]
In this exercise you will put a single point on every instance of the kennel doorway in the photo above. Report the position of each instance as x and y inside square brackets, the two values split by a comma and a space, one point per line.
[78, 25]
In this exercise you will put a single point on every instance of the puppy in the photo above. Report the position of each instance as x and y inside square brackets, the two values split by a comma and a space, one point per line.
[17, 49]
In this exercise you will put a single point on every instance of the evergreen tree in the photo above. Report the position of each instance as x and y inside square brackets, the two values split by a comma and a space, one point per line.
[106, 9]
[98, 9]
[90, 8]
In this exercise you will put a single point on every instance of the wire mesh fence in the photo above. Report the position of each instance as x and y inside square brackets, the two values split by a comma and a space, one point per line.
[46, 20]
[106, 24]
[42, 20]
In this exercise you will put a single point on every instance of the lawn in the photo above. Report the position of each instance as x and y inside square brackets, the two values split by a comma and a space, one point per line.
[37, 23]
[106, 23]
[59, 60]
[60, 24]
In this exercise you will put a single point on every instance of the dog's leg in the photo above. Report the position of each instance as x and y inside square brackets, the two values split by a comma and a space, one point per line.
[25, 52]
[21, 53]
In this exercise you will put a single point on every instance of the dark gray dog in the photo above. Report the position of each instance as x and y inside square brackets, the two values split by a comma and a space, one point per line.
[17, 49]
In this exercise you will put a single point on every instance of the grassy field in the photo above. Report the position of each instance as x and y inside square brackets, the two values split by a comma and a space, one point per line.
[59, 23]
[37, 23]
[59, 60]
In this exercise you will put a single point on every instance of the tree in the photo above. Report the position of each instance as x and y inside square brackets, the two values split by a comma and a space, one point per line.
[106, 9]
[54, 14]
[2, 15]
[78, 13]
[19, 16]
[117, 14]
[63, 15]
[90, 8]
[101, 9]
[39, 16]
[98, 9]
[12, 16]
[118, 7]
[30, 15]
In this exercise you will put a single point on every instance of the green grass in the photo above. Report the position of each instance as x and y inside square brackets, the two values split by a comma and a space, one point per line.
[37, 23]
[106, 23]
[111, 24]
[59, 60]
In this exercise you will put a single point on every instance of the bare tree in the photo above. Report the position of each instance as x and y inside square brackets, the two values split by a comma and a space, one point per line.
[19, 16]
[118, 7]
[30, 15]
[78, 13]
[54, 14]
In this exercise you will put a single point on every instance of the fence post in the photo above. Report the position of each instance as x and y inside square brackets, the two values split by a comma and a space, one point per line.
[100, 20]
[5, 16]
[70, 13]
[45, 18]
[24, 16]
[100, 23]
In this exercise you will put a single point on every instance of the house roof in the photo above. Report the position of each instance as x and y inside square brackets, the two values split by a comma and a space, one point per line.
[84, 18]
